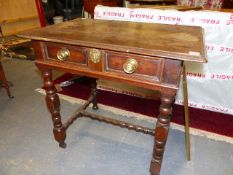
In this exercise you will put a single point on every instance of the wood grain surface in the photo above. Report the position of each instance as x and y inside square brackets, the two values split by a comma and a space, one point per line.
[170, 41]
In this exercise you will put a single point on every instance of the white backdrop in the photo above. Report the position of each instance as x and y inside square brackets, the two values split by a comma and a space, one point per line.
[209, 85]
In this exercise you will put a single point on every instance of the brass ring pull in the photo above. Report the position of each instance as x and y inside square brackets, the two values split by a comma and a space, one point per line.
[95, 55]
[63, 54]
[130, 66]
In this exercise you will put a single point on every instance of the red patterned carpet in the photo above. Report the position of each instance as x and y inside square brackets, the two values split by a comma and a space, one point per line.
[212, 122]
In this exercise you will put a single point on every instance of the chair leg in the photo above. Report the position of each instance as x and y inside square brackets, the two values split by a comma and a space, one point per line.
[5, 84]
[186, 110]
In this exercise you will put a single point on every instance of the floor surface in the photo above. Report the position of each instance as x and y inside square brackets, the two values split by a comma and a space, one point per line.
[27, 146]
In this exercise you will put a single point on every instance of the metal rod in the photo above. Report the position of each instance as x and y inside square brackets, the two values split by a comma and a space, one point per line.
[67, 4]
[186, 110]
[72, 4]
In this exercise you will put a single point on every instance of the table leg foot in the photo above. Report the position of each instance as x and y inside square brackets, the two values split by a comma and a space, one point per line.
[161, 132]
[62, 145]
[9, 93]
[155, 167]
[60, 136]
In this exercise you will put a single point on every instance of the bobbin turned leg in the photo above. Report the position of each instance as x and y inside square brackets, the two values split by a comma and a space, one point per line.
[53, 104]
[94, 93]
[161, 132]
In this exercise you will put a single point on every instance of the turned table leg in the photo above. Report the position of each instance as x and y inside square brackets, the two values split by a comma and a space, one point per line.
[53, 104]
[161, 133]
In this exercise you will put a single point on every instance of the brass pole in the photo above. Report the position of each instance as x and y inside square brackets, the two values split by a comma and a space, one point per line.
[83, 12]
[186, 110]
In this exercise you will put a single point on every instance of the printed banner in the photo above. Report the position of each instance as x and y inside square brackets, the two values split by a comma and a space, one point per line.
[209, 85]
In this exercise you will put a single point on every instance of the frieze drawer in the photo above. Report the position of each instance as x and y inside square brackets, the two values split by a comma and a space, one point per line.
[135, 66]
[67, 53]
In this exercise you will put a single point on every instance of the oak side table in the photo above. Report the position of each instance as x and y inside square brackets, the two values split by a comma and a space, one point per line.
[141, 54]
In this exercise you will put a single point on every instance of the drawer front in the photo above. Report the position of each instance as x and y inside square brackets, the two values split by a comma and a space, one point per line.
[146, 67]
[66, 53]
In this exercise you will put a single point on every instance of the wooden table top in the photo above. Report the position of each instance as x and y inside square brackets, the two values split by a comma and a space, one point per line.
[169, 41]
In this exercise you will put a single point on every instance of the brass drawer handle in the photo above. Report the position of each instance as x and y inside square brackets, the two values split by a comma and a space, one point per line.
[63, 54]
[95, 55]
[130, 66]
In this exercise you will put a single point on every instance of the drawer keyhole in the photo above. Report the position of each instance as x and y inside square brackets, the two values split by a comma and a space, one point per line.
[95, 55]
